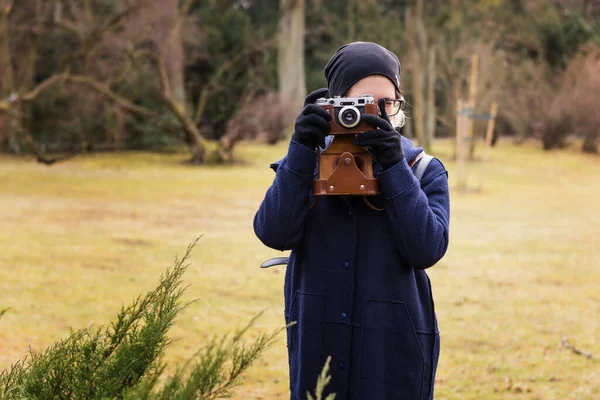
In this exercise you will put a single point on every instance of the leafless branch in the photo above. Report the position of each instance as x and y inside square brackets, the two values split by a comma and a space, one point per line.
[220, 71]
[88, 10]
[97, 33]
[126, 70]
[103, 89]
[62, 23]
[163, 75]
[178, 110]
[184, 10]
[40, 154]
[567, 345]
[44, 85]
[99, 87]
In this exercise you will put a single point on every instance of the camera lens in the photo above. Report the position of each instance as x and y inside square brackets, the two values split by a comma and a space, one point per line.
[349, 117]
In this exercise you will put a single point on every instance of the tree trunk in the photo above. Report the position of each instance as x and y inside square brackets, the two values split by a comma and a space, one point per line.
[171, 48]
[2, 119]
[6, 69]
[174, 59]
[417, 38]
[12, 120]
[351, 20]
[116, 129]
[418, 95]
[407, 129]
[197, 143]
[471, 103]
[170, 63]
[290, 59]
[27, 80]
[590, 143]
[430, 116]
[5, 77]
[198, 154]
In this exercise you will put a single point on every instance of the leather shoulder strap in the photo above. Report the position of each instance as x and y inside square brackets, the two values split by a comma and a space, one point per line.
[420, 164]
[416, 159]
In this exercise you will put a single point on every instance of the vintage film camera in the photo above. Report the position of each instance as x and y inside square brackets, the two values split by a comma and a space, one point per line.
[344, 168]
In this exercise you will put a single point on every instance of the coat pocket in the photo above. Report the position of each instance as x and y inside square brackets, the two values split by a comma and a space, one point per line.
[430, 343]
[305, 341]
[392, 363]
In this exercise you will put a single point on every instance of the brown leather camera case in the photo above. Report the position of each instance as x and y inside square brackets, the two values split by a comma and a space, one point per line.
[344, 168]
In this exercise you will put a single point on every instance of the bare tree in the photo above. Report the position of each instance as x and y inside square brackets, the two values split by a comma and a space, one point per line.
[109, 50]
[258, 118]
[422, 38]
[36, 18]
[164, 20]
[292, 83]
[13, 80]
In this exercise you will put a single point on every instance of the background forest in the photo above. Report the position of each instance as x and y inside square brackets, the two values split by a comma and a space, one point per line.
[105, 75]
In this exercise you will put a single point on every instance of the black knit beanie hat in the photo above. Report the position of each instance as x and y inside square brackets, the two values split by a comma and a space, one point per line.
[355, 60]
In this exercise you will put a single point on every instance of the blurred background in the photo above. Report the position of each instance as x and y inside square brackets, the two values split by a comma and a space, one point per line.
[130, 127]
[115, 75]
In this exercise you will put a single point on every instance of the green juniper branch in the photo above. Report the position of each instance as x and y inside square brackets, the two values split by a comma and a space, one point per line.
[122, 360]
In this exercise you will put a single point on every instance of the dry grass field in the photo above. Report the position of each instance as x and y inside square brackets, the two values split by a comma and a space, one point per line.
[81, 238]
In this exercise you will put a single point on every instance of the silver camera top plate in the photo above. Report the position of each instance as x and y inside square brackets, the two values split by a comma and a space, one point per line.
[346, 101]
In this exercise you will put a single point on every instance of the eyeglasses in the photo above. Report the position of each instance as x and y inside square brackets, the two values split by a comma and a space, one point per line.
[393, 106]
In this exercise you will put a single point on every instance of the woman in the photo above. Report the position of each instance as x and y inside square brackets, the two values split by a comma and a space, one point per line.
[355, 281]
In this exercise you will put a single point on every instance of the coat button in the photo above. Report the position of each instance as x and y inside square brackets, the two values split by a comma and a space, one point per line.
[349, 213]
[343, 315]
[346, 264]
[342, 365]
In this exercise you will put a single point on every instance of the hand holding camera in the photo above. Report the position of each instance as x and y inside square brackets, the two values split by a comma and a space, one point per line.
[312, 125]
[384, 141]
[345, 167]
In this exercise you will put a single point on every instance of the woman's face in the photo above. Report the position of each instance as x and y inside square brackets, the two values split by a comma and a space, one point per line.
[379, 87]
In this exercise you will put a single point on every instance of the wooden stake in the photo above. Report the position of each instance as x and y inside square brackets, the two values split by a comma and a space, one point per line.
[471, 103]
[459, 107]
[461, 120]
[489, 134]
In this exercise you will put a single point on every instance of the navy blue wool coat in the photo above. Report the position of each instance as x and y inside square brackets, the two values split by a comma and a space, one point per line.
[355, 281]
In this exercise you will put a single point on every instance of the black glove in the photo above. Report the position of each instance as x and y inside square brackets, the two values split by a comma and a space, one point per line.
[384, 141]
[312, 125]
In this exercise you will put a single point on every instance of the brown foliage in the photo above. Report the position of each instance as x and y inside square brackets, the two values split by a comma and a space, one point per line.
[572, 107]
[553, 108]
[579, 90]
[526, 102]
[260, 118]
